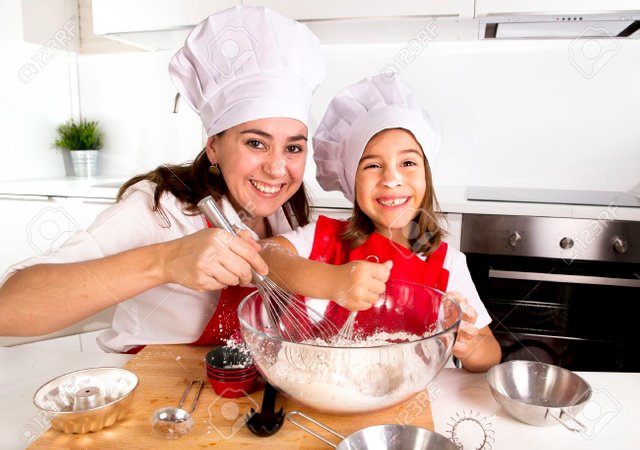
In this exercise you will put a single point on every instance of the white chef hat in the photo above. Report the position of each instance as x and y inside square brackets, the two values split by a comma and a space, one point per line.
[247, 63]
[354, 116]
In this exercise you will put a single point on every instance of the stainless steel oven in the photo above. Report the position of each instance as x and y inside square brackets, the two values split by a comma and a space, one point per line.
[559, 290]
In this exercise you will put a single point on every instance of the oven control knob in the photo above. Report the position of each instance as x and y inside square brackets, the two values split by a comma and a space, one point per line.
[566, 243]
[515, 239]
[619, 245]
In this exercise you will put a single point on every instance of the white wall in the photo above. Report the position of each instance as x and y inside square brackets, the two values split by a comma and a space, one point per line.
[518, 113]
[132, 97]
[37, 84]
[513, 113]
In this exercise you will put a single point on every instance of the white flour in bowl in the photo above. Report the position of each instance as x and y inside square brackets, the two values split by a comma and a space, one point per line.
[352, 379]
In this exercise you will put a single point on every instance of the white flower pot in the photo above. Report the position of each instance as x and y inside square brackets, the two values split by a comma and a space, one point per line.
[85, 162]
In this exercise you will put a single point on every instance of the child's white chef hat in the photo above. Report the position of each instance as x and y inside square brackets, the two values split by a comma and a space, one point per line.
[247, 63]
[355, 115]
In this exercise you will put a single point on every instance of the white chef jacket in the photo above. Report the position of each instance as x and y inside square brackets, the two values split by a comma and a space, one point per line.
[166, 314]
[455, 262]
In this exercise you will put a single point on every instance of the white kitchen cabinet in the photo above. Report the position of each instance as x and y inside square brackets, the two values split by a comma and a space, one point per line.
[152, 24]
[413, 22]
[164, 24]
[32, 225]
[38, 225]
[122, 16]
[340, 9]
[84, 210]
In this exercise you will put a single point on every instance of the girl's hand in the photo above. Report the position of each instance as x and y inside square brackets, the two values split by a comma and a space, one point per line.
[466, 341]
[212, 259]
[360, 283]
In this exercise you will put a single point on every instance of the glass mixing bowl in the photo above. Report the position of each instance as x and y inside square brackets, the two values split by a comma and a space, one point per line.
[401, 344]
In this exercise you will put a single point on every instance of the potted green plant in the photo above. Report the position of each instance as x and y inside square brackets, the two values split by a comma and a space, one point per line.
[83, 139]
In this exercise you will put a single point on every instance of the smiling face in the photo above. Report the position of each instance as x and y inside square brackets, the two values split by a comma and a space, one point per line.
[262, 163]
[391, 183]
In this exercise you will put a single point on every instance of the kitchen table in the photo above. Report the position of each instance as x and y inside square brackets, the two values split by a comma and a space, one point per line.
[165, 370]
[462, 403]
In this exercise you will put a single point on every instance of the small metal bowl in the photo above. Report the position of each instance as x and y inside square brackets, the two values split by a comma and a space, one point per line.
[87, 400]
[539, 394]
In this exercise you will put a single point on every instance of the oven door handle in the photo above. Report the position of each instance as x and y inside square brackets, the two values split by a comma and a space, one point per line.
[562, 278]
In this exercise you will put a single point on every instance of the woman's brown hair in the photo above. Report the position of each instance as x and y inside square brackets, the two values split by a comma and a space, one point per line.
[191, 182]
[426, 232]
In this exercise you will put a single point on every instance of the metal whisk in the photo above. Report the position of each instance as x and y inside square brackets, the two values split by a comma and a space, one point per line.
[291, 317]
[346, 330]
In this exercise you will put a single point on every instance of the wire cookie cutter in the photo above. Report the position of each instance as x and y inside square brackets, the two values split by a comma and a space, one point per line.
[471, 425]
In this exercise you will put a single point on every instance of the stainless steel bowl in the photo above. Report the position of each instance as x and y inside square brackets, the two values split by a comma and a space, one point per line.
[539, 394]
[352, 380]
[379, 437]
[87, 400]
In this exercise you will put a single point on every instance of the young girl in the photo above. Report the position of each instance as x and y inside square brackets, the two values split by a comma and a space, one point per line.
[374, 144]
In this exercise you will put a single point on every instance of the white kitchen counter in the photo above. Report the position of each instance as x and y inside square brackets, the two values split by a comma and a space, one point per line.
[452, 199]
[96, 187]
[22, 372]
[610, 416]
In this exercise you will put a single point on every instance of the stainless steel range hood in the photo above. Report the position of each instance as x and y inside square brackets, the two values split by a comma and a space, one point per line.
[560, 26]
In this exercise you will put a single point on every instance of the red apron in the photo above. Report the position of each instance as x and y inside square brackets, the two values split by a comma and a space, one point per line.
[329, 248]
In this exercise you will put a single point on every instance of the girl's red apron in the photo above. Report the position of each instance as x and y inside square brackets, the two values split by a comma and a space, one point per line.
[329, 248]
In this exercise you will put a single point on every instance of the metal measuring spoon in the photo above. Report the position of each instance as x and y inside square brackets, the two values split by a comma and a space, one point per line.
[172, 422]
[267, 421]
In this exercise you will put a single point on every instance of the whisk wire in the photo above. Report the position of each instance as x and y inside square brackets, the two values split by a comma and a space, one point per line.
[346, 331]
[291, 318]
[295, 320]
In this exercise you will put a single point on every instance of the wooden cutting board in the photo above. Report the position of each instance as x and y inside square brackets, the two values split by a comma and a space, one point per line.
[165, 371]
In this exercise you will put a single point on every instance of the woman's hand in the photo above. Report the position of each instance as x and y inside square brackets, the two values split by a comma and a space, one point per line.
[212, 259]
[360, 283]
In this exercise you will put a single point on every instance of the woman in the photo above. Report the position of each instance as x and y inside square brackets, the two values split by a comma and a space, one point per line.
[152, 253]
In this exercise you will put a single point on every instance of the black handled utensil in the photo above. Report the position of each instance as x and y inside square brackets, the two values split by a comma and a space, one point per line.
[267, 421]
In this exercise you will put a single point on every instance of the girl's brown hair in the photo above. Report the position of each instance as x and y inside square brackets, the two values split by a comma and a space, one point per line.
[191, 182]
[426, 231]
